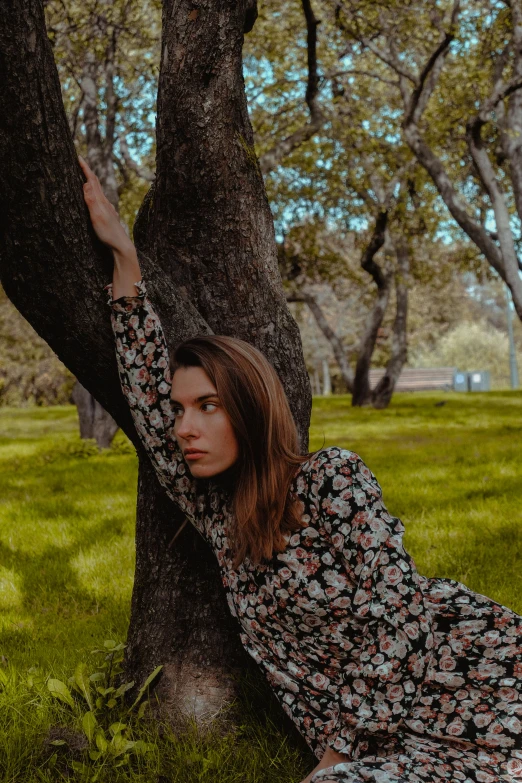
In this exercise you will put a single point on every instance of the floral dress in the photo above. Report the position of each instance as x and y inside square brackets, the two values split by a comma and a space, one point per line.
[413, 679]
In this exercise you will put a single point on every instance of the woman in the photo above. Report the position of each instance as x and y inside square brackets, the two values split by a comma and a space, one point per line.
[390, 676]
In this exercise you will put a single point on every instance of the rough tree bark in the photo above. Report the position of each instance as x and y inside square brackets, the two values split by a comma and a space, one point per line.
[210, 264]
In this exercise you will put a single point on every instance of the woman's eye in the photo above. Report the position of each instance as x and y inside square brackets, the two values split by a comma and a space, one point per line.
[177, 411]
[212, 404]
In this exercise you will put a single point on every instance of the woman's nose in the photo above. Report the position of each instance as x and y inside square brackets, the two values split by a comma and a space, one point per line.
[186, 425]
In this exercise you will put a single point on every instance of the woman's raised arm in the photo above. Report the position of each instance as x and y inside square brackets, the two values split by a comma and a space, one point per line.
[141, 352]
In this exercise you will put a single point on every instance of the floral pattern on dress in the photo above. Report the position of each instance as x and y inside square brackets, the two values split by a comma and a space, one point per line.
[413, 679]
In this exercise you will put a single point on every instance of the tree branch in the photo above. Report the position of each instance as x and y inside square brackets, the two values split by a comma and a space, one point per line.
[430, 73]
[273, 157]
[357, 72]
[368, 262]
[341, 356]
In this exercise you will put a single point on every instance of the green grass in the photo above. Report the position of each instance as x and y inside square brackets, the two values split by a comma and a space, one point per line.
[452, 473]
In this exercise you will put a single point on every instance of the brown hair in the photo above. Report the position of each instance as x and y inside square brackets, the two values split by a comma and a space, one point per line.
[251, 393]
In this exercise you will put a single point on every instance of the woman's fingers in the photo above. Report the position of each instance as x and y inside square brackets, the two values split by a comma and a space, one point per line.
[92, 189]
[104, 217]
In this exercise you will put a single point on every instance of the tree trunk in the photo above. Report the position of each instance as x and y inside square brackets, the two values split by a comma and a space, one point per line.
[339, 351]
[94, 420]
[178, 616]
[211, 266]
[327, 381]
[383, 392]
[361, 386]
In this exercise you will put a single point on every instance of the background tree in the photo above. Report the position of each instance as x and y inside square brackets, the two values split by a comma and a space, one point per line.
[207, 249]
[106, 55]
[457, 70]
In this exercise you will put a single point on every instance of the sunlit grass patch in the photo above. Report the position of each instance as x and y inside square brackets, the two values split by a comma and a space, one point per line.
[452, 473]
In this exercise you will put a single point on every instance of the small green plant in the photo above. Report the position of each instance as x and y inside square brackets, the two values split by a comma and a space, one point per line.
[107, 723]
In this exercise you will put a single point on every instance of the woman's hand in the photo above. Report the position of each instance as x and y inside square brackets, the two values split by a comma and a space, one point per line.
[104, 218]
[106, 223]
[330, 757]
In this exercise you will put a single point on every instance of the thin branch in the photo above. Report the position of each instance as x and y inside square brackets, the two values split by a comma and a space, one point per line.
[273, 157]
[356, 72]
[430, 73]
[500, 91]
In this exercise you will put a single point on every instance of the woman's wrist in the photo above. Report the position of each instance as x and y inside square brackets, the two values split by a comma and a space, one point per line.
[125, 255]
[126, 271]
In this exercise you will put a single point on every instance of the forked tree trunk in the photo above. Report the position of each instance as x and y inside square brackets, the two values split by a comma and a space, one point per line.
[211, 266]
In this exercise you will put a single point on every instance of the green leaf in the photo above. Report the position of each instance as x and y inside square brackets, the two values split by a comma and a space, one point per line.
[89, 724]
[111, 703]
[114, 728]
[82, 681]
[3, 677]
[79, 767]
[145, 685]
[58, 742]
[97, 676]
[100, 703]
[110, 644]
[101, 742]
[124, 688]
[120, 745]
[60, 691]
[143, 707]
[94, 755]
[104, 691]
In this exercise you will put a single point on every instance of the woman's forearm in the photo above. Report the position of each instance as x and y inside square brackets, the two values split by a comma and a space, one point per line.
[126, 271]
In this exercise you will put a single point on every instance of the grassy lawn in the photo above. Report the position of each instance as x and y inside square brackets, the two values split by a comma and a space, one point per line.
[451, 472]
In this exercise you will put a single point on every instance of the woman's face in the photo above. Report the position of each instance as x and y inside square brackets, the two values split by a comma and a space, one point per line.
[202, 427]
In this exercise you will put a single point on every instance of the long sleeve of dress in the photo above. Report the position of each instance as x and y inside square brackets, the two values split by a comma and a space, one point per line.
[386, 667]
[143, 367]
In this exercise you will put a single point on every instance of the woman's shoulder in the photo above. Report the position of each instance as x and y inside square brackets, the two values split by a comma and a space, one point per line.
[334, 468]
[331, 458]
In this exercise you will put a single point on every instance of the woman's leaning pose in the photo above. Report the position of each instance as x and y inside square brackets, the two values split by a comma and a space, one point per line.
[390, 677]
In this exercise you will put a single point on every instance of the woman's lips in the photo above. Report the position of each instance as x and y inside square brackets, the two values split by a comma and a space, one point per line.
[195, 454]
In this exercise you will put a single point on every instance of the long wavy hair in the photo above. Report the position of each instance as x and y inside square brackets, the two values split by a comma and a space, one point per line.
[264, 509]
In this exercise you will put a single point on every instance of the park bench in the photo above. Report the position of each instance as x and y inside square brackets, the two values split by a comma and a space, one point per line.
[419, 379]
